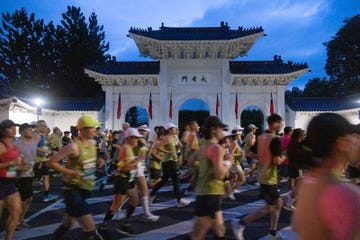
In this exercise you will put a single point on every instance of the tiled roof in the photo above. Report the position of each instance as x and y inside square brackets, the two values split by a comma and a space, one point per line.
[236, 67]
[125, 68]
[76, 104]
[323, 103]
[265, 67]
[196, 33]
[71, 104]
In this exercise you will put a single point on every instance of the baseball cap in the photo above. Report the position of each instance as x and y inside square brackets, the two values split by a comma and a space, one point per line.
[7, 124]
[169, 125]
[144, 128]
[213, 121]
[87, 121]
[238, 128]
[132, 132]
[25, 126]
[251, 126]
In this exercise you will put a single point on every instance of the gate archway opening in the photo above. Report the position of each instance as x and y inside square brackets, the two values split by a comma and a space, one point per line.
[137, 116]
[193, 109]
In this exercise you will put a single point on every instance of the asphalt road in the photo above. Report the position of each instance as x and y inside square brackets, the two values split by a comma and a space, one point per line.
[174, 223]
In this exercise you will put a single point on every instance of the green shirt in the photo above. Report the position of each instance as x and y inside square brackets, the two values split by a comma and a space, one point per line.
[207, 184]
[85, 162]
[171, 147]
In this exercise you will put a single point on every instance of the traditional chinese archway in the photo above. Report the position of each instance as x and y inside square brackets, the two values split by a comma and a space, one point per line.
[194, 62]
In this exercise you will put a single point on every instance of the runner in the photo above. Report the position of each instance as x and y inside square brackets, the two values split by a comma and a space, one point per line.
[170, 146]
[249, 144]
[270, 156]
[79, 175]
[210, 186]
[124, 185]
[327, 206]
[10, 159]
[27, 146]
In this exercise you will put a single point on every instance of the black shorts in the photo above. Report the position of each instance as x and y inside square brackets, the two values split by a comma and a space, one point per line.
[25, 187]
[75, 204]
[293, 172]
[122, 185]
[40, 169]
[7, 187]
[270, 193]
[207, 205]
[155, 173]
[353, 172]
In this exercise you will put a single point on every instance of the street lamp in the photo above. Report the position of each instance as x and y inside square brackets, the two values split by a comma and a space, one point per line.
[38, 102]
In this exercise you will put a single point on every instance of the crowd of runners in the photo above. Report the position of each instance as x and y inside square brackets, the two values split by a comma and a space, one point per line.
[321, 165]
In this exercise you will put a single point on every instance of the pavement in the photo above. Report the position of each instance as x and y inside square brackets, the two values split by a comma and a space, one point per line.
[174, 223]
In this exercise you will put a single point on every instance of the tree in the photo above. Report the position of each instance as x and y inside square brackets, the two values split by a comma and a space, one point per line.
[294, 92]
[51, 59]
[343, 57]
[22, 57]
[317, 87]
[76, 53]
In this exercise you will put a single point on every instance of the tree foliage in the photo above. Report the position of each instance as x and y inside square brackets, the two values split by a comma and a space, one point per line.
[342, 65]
[343, 57]
[40, 57]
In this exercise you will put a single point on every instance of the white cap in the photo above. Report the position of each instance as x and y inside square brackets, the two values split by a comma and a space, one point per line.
[132, 132]
[238, 128]
[226, 133]
[169, 125]
[144, 128]
[251, 126]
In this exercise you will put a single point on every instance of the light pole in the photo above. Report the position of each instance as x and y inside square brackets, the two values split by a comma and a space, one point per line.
[38, 102]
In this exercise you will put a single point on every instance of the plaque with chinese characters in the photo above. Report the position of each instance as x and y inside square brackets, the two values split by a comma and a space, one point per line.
[194, 78]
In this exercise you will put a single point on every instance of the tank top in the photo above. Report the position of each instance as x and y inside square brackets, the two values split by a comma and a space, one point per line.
[44, 145]
[29, 152]
[207, 184]
[171, 146]
[155, 162]
[121, 171]
[85, 162]
[11, 154]
[237, 151]
[188, 150]
[270, 177]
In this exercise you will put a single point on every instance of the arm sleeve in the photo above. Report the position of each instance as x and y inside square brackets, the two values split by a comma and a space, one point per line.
[339, 209]
[275, 147]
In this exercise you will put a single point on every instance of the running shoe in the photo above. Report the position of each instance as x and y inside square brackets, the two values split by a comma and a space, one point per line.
[101, 233]
[238, 229]
[125, 228]
[183, 203]
[23, 225]
[150, 218]
[276, 237]
[49, 198]
[289, 204]
[232, 196]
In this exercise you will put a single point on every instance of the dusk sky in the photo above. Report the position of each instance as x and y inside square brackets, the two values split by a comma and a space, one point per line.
[296, 29]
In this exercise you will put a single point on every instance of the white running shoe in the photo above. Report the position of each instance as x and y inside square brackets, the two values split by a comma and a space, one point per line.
[183, 203]
[232, 196]
[238, 229]
[150, 218]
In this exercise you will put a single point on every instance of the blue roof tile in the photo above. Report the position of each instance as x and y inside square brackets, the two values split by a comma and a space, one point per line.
[125, 68]
[196, 33]
[265, 67]
[323, 103]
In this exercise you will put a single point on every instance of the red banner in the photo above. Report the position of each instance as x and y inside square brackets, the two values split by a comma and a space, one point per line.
[150, 106]
[217, 105]
[118, 112]
[170, 107]
[236, 107]
[271, 105]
